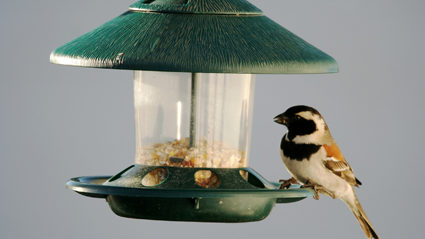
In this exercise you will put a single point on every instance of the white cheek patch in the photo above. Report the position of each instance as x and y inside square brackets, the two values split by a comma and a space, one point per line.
[320, 123]
[313, 138]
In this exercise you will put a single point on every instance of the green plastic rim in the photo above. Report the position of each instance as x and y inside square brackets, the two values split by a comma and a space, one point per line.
[180, 184]
[92, 186]
[179, 198]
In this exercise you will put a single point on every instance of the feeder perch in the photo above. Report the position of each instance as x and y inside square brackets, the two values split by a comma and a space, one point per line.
[194, 63]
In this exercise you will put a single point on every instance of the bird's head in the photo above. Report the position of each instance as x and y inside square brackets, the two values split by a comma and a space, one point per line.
[304, 123]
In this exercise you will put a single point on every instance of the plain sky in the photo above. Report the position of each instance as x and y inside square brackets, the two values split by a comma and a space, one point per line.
[59, 122]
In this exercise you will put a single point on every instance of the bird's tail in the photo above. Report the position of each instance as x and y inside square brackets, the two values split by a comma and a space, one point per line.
[355, 207]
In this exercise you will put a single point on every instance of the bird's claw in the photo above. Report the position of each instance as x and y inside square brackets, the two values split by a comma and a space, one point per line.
[318, 189]
[285, 184]
[315, 187]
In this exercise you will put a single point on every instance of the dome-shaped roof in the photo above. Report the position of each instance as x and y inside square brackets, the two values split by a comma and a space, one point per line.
[228, 36]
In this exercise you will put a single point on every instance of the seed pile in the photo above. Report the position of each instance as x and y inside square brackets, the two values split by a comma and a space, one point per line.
[204, 154]
[178, 153]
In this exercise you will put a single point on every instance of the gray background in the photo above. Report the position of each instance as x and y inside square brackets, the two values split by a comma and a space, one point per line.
[58, 122]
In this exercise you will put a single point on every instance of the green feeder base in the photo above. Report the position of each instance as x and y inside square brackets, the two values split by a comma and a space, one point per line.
[240, 195]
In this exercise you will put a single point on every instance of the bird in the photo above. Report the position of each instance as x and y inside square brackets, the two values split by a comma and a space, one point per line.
[314, 159]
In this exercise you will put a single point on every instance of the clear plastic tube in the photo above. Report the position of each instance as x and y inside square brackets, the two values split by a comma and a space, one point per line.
[193, 119]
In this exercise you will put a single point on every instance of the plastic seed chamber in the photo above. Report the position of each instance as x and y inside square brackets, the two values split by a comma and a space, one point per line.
[193, 119]
[194, 63]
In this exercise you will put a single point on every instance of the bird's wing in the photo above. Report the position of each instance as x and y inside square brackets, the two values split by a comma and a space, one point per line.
[336, 162]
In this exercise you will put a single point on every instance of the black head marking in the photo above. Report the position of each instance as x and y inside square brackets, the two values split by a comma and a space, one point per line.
[298, 125]
[300, 108]
[301, 127]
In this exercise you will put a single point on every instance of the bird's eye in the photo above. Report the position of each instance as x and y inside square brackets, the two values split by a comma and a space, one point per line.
[297, 117]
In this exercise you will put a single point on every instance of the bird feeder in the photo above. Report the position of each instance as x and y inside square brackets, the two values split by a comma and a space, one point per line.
[194, 63]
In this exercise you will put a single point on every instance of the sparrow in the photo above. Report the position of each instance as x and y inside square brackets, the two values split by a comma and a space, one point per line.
[313, 158]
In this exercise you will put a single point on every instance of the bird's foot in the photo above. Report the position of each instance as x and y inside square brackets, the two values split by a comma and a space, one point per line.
[285, 184]
[308, 184]
[318, 189]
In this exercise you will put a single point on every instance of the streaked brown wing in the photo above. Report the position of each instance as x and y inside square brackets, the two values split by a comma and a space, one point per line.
[336, 162]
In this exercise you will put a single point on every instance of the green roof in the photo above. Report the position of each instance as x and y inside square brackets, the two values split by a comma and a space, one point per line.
[210, 36]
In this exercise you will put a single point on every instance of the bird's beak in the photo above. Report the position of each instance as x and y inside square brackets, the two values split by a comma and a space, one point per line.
[281, 119]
